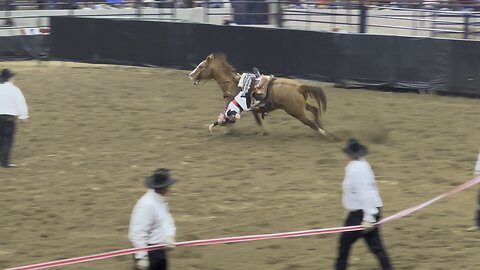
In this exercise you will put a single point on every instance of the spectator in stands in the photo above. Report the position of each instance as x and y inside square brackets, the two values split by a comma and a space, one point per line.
[9, 22]
[476, 172]
[188, 3]
[214, 3]
[151, 223]
[41, 4]
[227, 20]
[7, 5]
[165, 4]
[295, 3]
[362, 199]
[115, 3]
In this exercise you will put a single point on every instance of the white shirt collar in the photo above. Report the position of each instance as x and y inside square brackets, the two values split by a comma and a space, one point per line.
[156, 196]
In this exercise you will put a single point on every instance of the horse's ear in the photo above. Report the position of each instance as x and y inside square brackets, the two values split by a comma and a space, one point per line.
[210, 57]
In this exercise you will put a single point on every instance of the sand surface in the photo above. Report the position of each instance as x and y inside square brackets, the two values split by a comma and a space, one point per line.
[97, 131]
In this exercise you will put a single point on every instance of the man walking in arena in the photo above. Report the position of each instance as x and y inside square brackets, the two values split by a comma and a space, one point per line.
[362, 199]
[12, 105]
[476, 172]
[151, 223]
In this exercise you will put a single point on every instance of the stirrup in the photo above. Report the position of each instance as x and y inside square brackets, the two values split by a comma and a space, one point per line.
[256, 103]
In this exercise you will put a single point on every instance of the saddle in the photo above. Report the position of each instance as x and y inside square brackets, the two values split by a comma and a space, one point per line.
[261, 91]
[258, 88]
[262, 86]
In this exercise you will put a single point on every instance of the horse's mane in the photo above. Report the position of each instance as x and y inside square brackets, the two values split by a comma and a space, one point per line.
[225, 65]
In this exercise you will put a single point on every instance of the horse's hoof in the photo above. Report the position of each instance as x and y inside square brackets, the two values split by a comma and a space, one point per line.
[262, 133]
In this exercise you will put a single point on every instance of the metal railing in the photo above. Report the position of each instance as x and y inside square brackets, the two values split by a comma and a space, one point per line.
[455, 19]
[414, 19]
[24, 15]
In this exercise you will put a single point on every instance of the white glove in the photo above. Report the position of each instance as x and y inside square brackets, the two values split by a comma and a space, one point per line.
[210, 127]
[221, 119]
[169, 242]
[143, 263]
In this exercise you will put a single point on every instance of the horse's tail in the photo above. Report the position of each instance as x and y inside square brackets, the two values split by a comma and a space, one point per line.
[317, 93]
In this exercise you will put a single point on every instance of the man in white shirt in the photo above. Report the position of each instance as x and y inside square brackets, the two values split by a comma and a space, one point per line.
[12, 105]
[362, 200]
[476, 172]
[152, 224]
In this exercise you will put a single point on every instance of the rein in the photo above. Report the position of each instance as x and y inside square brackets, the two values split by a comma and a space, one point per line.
[226, 93]
[202, 82]
[226, 81]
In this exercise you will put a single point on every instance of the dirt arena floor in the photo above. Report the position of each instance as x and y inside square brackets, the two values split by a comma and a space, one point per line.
[96, 131]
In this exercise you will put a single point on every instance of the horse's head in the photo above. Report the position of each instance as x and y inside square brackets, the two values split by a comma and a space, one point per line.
[215, 64]
[204, 71]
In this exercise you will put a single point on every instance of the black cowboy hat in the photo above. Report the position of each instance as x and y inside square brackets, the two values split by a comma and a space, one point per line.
[160, 179]
[6, 74]
[355, 149]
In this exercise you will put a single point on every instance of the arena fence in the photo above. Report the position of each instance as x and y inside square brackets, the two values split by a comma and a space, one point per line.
[350, 60]
[24, 47]
[248, 238]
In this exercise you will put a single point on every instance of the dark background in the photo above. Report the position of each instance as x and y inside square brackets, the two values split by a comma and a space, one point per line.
[350, 60]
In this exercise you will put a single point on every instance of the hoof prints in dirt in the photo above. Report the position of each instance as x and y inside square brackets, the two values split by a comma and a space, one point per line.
[252, 183]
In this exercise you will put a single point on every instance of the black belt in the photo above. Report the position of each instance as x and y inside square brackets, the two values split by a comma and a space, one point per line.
[7, 117]
[361, 210]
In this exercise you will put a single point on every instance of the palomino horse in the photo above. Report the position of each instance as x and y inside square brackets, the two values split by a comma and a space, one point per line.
[286, 94]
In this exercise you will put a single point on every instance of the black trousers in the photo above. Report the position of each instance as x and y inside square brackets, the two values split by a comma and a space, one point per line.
[347, 239]
[158, 260]
[478, 210]
[7, 132]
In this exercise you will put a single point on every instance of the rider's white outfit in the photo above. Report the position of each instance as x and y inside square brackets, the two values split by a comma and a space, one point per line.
[242, 100]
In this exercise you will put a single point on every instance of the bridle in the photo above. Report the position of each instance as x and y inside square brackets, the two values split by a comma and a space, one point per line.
[226, 94]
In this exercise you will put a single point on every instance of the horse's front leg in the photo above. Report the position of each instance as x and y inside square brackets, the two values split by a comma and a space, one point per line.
[259, 121]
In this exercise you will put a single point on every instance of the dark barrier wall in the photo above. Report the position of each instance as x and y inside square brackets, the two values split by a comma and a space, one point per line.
[23, 47]
[347, 59]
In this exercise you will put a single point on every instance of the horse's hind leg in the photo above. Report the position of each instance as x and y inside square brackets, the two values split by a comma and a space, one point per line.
[297, 110]
[315, 111]
[316, 114]
[303, 118]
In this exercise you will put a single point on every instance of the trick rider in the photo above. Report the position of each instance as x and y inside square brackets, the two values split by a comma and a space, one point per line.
[243, 100]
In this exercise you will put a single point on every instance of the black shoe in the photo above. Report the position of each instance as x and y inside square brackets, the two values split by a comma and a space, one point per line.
[9, 165]
[473, 229]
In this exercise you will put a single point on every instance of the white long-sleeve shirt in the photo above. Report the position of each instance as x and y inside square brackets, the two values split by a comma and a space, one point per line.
[151, 222]
[12, 101]
[477, 166]
[360, 190]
